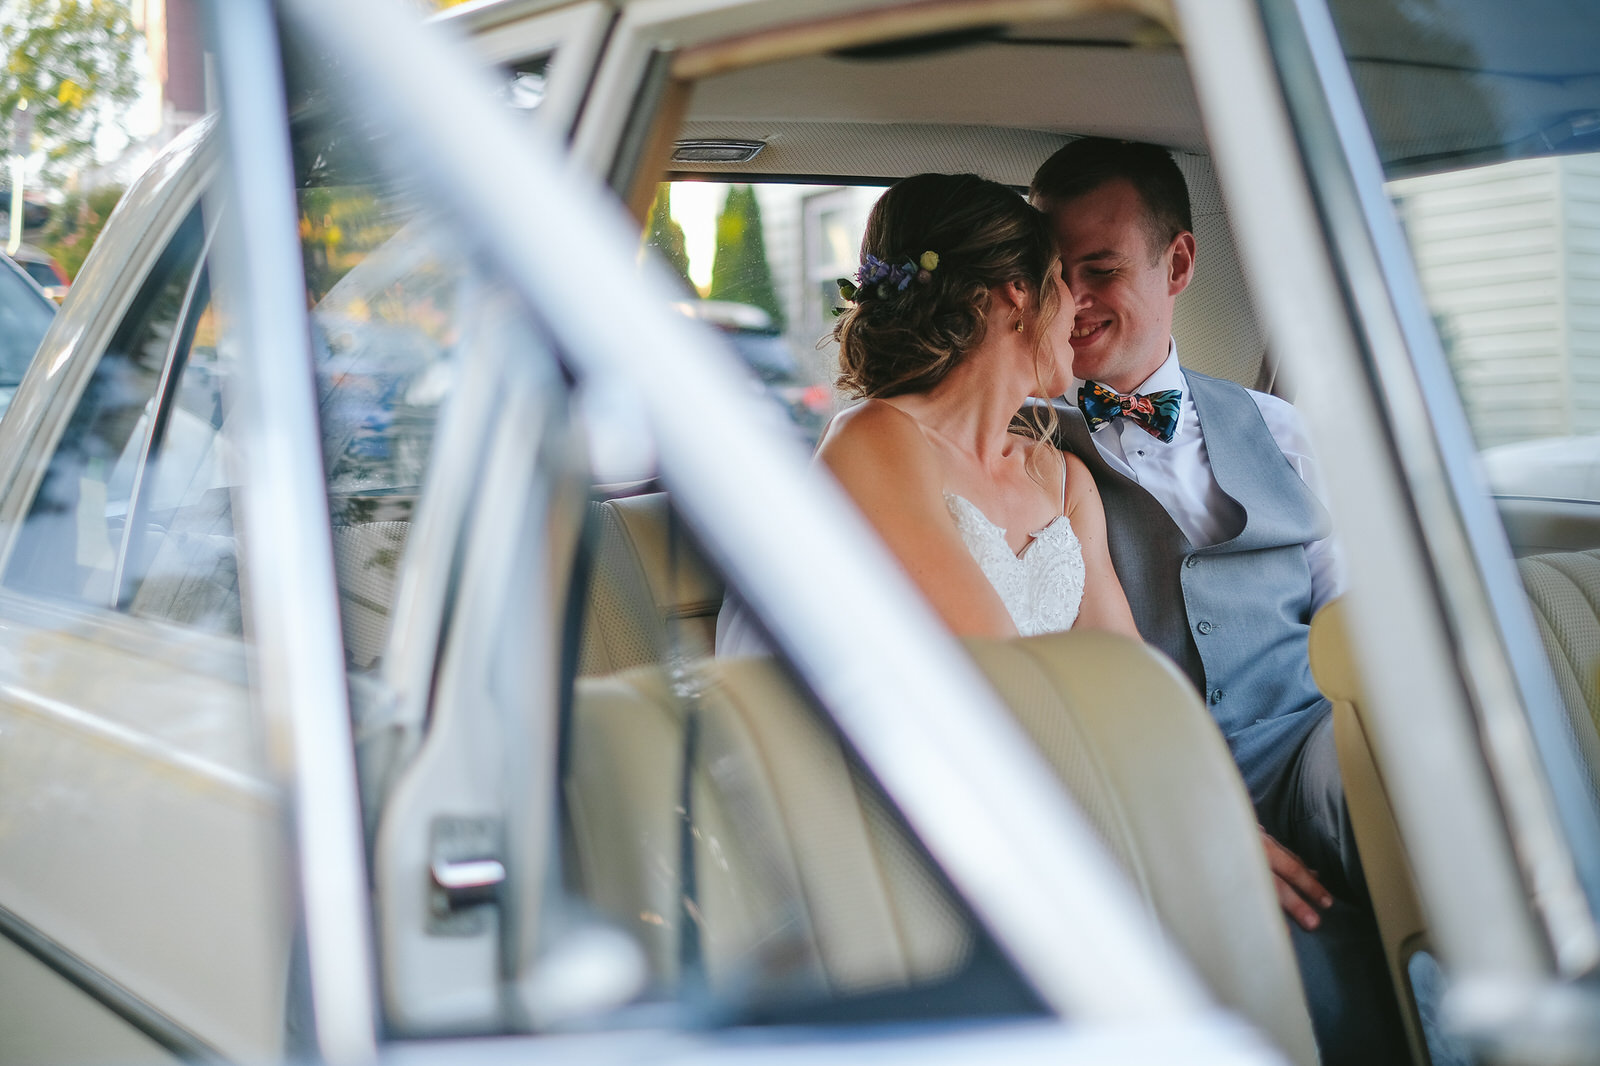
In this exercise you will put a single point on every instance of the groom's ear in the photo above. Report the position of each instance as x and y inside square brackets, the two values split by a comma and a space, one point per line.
[1180, 263]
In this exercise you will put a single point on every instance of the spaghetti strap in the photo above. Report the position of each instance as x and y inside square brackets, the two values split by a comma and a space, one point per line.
[1063, 482]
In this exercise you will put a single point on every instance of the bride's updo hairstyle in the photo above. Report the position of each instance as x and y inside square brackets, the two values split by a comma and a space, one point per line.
[906, 332]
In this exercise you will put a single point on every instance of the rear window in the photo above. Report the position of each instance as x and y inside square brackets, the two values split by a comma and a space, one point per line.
[43, 273]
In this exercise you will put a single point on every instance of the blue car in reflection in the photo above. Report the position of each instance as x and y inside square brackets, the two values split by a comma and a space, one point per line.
[25, 314]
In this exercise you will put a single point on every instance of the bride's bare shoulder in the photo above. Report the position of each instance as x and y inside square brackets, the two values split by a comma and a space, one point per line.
[874, 425]
[876, 435]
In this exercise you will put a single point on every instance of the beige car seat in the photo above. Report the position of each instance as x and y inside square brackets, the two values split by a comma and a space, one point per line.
[1383, 859]
[1564, 591]
[803, 881]
[642, 577]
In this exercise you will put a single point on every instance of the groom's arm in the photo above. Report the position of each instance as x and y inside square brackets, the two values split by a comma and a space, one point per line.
[1289, 430]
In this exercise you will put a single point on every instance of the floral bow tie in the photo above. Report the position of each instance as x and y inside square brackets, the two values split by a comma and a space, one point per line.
[1157, 412]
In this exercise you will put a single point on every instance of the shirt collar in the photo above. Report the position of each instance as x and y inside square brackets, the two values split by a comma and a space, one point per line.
[1169, 375]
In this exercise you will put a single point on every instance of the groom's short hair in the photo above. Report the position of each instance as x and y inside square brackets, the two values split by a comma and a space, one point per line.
[1081, 166]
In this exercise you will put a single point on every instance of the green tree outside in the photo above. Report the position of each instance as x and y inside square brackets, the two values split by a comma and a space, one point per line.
[73, 62]
[740, 272]
[76, 223]
[665, 235]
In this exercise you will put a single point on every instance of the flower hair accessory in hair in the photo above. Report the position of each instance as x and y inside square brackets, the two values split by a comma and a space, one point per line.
[880, 278]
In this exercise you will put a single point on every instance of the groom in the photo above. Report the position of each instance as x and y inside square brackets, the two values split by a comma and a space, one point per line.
[1224, 551]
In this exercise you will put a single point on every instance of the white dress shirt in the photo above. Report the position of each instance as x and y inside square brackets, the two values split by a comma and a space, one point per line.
[1178, 473]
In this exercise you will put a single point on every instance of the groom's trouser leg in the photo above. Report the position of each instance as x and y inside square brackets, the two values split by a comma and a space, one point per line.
[1353, 1008]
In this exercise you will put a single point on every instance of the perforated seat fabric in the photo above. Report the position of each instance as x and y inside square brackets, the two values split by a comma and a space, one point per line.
[642, 577]
[805, 885]
[1146, 763]
[367, 560]
[1564, 591]
[801, 869]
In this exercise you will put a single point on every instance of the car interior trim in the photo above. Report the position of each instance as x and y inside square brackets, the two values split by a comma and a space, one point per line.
[876, 27]
[1539, 777]
[111, 995]
[648, 136]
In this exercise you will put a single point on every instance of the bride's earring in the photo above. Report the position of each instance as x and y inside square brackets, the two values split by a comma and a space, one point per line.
[1019, 323]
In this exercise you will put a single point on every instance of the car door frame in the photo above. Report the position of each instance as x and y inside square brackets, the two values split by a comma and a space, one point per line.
[572, 33]
[1449, 656]
[1061, 872]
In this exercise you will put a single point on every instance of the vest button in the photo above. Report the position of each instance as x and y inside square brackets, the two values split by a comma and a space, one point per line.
[1191, 561]
[1216, 695]
[1205, 627]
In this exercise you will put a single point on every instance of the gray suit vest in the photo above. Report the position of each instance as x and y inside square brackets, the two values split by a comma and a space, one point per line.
[1234, 616]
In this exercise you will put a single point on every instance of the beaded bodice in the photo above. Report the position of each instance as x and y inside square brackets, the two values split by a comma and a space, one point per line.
[1043, 586]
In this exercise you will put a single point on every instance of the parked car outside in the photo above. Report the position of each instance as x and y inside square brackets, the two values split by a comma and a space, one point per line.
[44, 270]
[25, 314]
[344, 710]
[766, 352]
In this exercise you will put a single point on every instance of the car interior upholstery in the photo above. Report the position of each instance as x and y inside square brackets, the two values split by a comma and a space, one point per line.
[795, 857]
[645, 577]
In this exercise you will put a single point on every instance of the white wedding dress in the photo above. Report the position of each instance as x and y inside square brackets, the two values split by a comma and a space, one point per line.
[1042, 587]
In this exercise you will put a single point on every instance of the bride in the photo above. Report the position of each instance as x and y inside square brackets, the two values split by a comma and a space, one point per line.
[958, 315]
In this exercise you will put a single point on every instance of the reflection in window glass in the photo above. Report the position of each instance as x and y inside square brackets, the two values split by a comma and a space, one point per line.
[525, 82]
[388, 312]
[135, 509]
[1485, 122]
[386, 320]
[24, 317]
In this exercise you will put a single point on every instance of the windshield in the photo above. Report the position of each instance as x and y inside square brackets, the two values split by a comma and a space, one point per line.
[24, 316]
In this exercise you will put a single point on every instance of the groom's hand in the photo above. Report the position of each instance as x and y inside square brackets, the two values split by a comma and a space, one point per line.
[1299, 892]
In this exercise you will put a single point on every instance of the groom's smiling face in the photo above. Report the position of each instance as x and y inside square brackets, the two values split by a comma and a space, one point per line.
[1125, 282]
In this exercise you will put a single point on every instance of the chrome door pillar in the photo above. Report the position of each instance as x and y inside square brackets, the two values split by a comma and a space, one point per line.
[292, 606]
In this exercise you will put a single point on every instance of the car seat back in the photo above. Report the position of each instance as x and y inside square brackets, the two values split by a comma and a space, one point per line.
[644, 576]
[1390, 884]
[803, 877]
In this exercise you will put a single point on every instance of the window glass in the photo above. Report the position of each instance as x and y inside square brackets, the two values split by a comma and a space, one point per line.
[135, 509]
[24, 317]
[525, 82]
[1487, 123]
[385, 294]
[41, 272]
[760, 263]
[1489, 130]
